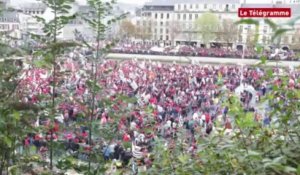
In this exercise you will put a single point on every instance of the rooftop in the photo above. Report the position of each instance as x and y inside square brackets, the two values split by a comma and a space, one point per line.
[9, 16]
[33, 6]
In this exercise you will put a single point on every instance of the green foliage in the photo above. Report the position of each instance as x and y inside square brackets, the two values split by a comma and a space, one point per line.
[207, 24]
[271, 24]
[100, 11]
[279, 32]
[248, 21]
[13, 114]
[48, 56]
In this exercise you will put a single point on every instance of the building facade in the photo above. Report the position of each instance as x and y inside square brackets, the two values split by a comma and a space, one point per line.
[174, 22]
[265, 31]
[29, 24]
[78, 27]
[10, 24]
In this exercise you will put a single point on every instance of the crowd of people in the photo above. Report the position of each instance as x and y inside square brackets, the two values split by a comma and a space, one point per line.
[184, 50]
[169, 98]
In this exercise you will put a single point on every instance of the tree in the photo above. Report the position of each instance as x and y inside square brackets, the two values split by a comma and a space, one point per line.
[189, 33]
[174, 29]
[14, 113]
[228, 31]
[126, 29]
[207, 25]
[285, 39]
[250, 38]
[264, 39]
[52, 50]
[144, 30]
[295, 45]
[101, 10]
[142, 33]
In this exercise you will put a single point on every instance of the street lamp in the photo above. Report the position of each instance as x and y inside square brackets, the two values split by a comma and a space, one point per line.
[243, 55]
[242, 65]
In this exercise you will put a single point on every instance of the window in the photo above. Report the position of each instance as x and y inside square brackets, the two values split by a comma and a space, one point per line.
[155, 15]
[233, 6]
[179, 6]
[161, 37]
[293, 39]
[265, 29]
[191, 6]
[167, 23]
[184, 16]
[167, 31]
[167, 37]
[205, 6]
[161, 30]
[178, 16]
[149, 30]
[168, 15]
[190, 17]
[264, 39]
[161, 16]
[227, 8]
[184, 7]
[196, 16]
[197, 6]
[15, 26]
[155, 30]
[138, 23]
[161, 23]
[285, 40]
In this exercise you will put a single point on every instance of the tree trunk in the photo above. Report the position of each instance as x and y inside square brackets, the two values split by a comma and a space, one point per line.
[1, 166]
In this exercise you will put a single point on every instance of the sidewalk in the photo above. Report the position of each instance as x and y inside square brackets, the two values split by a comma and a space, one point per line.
[197, 60]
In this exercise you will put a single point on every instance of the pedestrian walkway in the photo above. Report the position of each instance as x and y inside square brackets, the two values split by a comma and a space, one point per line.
[197, 60]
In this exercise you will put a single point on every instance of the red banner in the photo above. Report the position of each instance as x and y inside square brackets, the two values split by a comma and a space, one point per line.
[264, 12]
